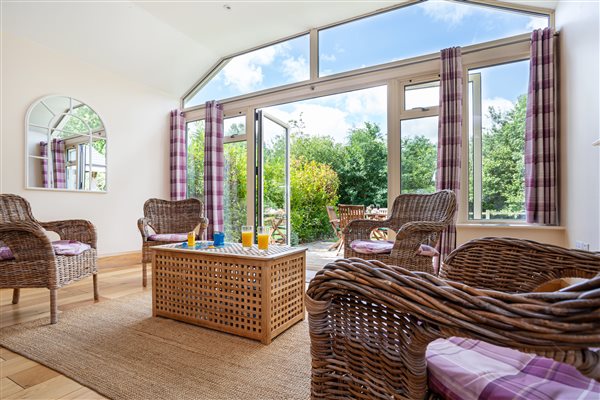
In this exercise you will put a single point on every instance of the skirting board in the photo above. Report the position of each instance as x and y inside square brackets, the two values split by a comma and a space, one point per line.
[120, 260]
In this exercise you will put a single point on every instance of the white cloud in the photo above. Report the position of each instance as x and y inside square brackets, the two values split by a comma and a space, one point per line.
[499, 104]
[445, 11]
[537, 23]
[427, 127]
[422, 97]
[366, 102]
[245, 73]
[327, 57]
[296, 68]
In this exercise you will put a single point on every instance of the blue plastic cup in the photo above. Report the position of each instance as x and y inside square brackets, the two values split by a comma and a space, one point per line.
[219, 239]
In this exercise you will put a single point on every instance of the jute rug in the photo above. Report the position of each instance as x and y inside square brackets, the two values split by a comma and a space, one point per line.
[117, 349]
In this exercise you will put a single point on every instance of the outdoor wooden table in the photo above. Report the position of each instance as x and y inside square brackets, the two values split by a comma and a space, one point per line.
[378, 215]
[244, 292]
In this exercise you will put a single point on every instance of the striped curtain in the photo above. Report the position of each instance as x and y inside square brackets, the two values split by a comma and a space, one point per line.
[57, 176]
[449, 135]
[213, 167]
[541, 135]
[178, 156]
[46, 177]
[59, 164]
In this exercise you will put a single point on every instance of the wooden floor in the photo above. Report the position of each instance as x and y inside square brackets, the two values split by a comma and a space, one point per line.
[21, 378]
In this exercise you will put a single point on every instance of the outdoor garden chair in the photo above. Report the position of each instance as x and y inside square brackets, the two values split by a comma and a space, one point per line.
[334, 220]
[167, 222]
[417, 219]
[381, 331]
[28, 259]
[349, 213]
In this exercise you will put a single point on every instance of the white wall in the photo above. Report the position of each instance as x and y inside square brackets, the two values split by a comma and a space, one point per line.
[578, 23]
[137, 124]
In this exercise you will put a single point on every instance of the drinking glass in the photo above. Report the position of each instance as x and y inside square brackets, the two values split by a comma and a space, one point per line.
[247, 236]
[219, 239]
[262, 234]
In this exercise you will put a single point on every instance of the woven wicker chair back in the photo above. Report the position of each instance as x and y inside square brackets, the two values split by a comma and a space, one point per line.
[14, 208]
[350, 213]
[435, 207]
[173, 216]
[524, 265]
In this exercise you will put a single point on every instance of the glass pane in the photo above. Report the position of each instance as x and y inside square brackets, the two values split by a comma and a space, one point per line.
[234, 189]
[422, 95]
[275, 65]
[418, 29]
[274, 179]
[418, 154]
[497, 105]
[235, 126]
[195, 159]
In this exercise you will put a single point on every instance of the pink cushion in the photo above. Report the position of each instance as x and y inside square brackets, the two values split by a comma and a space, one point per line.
[470, 369]
[168, 237]
[60, 247]
[372, 246]
[385, 247]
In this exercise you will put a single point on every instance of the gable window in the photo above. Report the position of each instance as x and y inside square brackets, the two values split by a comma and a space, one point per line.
[417, 29]
[497, 104]
[276, 65]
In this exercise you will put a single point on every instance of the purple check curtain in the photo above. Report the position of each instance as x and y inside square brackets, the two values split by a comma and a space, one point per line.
[213, 167]
[178, 154]
[541, 139]
[449, 135]
[57, 176]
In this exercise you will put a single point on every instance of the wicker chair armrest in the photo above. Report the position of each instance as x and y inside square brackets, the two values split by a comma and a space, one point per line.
[361, 228]
[73, 229]
[201, 227]
[420, 227]
[144, 226]
[563, 325]
[27, 241]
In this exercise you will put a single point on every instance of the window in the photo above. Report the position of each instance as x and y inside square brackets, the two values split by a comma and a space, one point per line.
[195, 159]
[418, 154]
[497, 105]
[275, 65]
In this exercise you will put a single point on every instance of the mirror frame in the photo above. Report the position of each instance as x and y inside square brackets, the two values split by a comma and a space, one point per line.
[27, 155]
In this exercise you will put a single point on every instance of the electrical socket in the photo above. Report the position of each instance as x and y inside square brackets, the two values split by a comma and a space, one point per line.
[582, 245]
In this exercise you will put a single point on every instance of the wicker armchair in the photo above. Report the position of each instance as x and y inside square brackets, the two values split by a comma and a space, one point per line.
[168, 217]
[35, 265]
[417, 219]
[370, 324]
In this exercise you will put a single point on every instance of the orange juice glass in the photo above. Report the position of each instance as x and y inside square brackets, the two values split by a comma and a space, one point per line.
[262, 234]
[247, 236]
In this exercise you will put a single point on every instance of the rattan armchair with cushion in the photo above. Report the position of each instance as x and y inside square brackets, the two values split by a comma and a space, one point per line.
[167, 222]
[371, 324]
[417, 219]
[31, 260]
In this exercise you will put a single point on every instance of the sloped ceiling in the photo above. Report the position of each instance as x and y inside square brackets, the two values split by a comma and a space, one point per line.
[169, 45]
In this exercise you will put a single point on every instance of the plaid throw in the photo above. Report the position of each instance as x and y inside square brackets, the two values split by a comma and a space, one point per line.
[465, 369]
[58, 163]
[46, 178]
[541, 143]
[213, 167]
[178, 155]
[449, 135]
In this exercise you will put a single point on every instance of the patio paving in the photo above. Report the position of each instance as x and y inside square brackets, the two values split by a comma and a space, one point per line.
[317, 256]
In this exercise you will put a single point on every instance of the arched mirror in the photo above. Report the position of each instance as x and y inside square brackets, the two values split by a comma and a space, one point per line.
[66, 146]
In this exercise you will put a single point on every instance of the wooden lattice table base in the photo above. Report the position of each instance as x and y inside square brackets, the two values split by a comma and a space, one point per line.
[243, 292]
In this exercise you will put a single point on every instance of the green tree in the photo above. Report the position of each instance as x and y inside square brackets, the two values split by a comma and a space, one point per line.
[419, 163]
[363, 174]
[195, 160]
[234, 189]
[503, 160]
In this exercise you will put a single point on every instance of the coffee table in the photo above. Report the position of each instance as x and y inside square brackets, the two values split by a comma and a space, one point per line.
[244, 292]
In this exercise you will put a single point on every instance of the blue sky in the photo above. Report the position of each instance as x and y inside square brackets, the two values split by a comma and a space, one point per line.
[406, 32]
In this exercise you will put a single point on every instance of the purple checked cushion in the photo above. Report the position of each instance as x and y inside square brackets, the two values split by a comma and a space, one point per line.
[5, 253]
[372, 246]
[429, 251]
[168, 237]
[470, 369]
[69, 247]
[60, 247]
